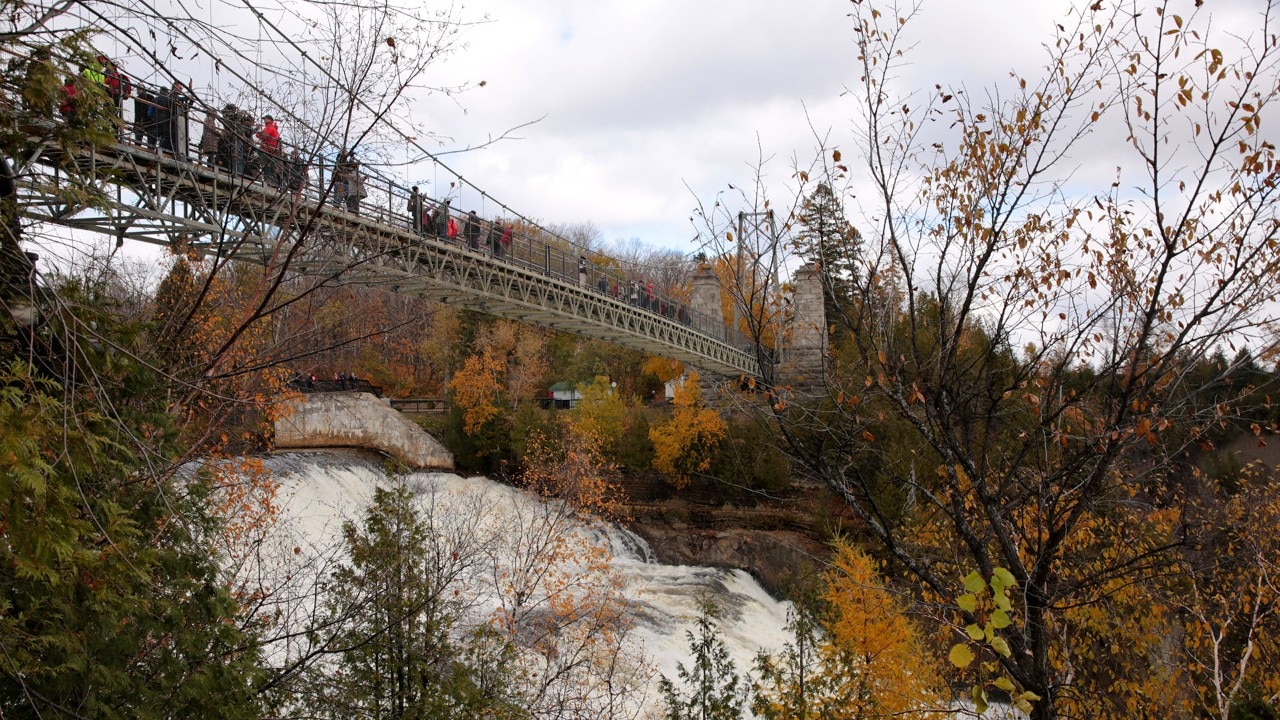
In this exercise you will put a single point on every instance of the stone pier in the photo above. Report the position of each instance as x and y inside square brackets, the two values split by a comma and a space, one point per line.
[804, 357]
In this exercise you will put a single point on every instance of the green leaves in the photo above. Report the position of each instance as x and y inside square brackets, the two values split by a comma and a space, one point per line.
[961, 656]
[110, 599]
[974, 583]
[987, 602]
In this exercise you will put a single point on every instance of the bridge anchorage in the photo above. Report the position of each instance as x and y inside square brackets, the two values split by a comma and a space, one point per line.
[289, 218]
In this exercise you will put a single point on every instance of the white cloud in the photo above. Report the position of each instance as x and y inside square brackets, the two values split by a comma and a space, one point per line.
[650, 105]
[644, 101]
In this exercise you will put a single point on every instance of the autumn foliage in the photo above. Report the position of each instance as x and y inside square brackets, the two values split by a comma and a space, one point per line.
[684, 444]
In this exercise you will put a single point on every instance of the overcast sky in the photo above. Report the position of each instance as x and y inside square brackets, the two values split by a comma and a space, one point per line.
[650, 105]
[645, 107]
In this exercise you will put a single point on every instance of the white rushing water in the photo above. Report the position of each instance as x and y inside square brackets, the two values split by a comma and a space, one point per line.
[498, 525]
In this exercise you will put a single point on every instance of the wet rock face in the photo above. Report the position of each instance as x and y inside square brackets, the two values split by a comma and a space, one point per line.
[779, 560]
[781, 539]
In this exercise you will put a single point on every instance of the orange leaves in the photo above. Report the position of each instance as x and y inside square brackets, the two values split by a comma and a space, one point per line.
[873, 652]
[511, 362]
[577, 473]
[914, 396]
[664, 369]
[244, 496]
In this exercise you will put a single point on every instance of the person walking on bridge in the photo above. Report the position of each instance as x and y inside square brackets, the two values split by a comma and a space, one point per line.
[144, 113]
[113, 81]
[179, 110]
[162, 118]
[442, 220]
[471, 230]
[210, 138]
[504, 240]
[415, 210]
[269, 143]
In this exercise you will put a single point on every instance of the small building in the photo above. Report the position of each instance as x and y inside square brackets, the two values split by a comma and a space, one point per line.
[563, 396]
[670, 386]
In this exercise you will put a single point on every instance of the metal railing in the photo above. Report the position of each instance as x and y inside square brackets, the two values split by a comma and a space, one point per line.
[323, 175]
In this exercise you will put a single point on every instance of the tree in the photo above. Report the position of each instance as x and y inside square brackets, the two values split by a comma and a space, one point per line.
[1228, 599]
[784, 685]
[685, 444]
[400, 650]
[875, 662]
[711, 688]
[831, 244]
[478, 392]
[601, 416]
[1036, 365]
[560, 600]
[112, 605]
[856, 654]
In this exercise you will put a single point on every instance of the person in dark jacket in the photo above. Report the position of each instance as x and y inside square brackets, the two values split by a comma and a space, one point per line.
[179, 108]
[297, 173]
[162, 117]
[471, 230]
[415, 210]
[144, 111]
[442, 220]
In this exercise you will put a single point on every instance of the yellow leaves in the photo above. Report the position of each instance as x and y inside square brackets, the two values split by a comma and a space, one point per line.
[961, 656]
[664, 369]
[683, 445]
[884, 660]
[477, 390]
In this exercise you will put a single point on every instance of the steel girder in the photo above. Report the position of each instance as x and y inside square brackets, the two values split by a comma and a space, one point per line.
[158, 199]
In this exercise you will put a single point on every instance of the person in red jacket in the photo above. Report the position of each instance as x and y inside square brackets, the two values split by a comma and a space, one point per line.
[70, 97]
[269, 142]
[269, 136]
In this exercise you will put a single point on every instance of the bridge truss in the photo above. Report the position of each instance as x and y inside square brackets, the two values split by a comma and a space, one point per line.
[159, 199]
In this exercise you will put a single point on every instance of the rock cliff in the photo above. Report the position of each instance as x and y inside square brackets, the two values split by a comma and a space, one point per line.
[781, 539]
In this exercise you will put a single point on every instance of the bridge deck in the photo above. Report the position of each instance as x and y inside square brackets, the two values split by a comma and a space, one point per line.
[157, 198]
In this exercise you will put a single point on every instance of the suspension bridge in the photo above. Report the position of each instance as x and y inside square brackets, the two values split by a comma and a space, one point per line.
[241, 211]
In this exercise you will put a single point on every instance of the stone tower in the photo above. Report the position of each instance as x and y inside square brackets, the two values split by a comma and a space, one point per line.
[706, 294]
[804, 356]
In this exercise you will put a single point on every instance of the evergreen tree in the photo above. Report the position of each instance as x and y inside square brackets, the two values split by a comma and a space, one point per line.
[711, 689]
[783, 687]
[111, 605]
[828, 240]
[402, 653]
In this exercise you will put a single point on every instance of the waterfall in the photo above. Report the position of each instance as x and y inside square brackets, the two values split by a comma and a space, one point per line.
[320, 490]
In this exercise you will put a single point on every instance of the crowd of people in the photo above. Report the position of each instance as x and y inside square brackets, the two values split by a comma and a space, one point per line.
[496, 236]
[234, 142]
